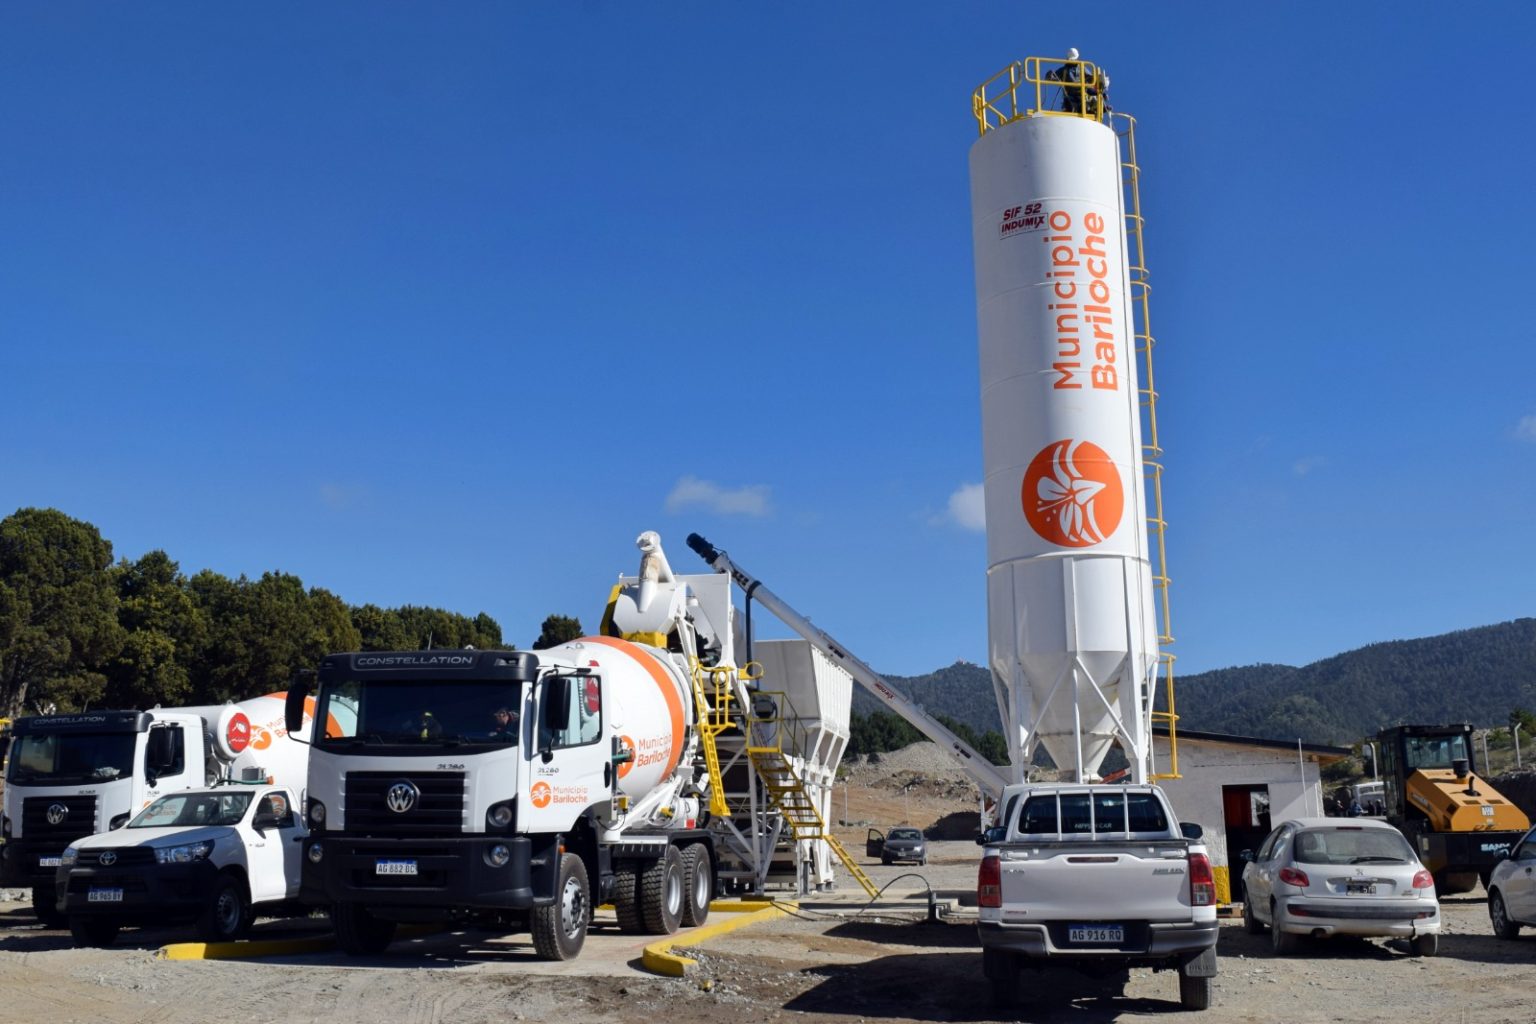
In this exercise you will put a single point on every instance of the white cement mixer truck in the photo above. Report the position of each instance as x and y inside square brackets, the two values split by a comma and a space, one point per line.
[71, 776]
[520, 788]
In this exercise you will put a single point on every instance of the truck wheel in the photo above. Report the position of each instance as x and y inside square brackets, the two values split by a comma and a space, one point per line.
[1251, 923]
[99, 932]
[1426, 945]
[358, 932]
[227, 915]
[560, 930]
[1281, 942]
[1002, 977]
[626, 901]
[1194, 993]
[661, 893]
[45, 906]
[1498, 913]
[698, 884]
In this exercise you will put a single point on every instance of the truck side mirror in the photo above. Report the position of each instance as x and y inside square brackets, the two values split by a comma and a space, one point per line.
[554, 712]
[995, 834]
[265, 820]
[293, 705]
[1190, 830]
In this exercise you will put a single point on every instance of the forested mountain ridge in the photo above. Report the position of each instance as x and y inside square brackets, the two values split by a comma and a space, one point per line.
[1474, 675]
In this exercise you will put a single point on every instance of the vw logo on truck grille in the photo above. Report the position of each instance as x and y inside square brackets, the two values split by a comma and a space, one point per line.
[57, 813]
[402, 796]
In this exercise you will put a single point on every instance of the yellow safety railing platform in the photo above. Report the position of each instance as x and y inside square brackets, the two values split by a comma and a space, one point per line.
[1052, 86]
[717, 713]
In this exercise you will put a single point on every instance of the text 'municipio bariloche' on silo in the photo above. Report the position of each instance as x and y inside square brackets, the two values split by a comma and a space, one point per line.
[1079, 278]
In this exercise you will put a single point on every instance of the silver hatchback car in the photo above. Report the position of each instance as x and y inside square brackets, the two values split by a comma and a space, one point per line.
[1339, 876]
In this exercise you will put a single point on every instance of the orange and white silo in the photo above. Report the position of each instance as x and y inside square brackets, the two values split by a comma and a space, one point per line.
[1072, 628]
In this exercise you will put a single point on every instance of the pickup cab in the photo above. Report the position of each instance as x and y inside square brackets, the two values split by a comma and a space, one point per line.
[211, 857]
[1098, 877]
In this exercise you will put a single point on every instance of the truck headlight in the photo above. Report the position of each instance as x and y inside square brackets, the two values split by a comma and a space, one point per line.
[316, 853]
[69, 856]
[316, 813]
[499, 816]
[187, 854]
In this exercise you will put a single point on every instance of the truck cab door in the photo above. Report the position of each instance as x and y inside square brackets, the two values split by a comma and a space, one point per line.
[571, 762]
[165, 768]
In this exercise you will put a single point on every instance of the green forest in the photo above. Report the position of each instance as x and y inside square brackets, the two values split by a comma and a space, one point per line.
[79, 630]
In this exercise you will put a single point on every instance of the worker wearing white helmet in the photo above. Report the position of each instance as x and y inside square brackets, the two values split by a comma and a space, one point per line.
[1070, 77]
[1071, 53]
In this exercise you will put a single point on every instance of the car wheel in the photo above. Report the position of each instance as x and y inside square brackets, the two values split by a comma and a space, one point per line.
[886, 861]
[1426, 945]
[45, 906]
[1281, 942]
[227, 915]
[98, 932]
[1251, 923]
[1498, 913]
[1002, 977]
[1195, 993]
[922, 862]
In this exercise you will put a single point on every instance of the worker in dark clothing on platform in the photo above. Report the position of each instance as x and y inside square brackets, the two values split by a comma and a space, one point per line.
[1071, 84]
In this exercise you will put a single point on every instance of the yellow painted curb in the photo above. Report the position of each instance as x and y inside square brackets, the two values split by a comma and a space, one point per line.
[232, 950]
[658, 957]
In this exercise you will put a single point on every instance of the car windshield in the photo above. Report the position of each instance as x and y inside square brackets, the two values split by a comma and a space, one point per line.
[417, 713]
[905, 833]
[43, 758]
[194, 809]
[1352, 846]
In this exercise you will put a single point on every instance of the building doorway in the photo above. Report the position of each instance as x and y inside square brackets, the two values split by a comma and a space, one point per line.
[1245, 817]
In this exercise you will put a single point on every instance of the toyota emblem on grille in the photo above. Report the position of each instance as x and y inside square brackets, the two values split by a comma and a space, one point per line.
[109, 857]
[57, 813]
[402, 796]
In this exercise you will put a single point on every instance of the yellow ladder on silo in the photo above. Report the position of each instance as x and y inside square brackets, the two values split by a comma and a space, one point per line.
[1151, 448]
[786, 791]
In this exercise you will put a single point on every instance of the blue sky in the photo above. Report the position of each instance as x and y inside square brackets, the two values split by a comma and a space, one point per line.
[444, 304]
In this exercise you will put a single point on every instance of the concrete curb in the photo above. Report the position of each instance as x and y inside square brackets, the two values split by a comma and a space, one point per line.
[237, 950]
[658, 957]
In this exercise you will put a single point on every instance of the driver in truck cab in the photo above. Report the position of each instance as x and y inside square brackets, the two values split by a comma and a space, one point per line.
[503, 725]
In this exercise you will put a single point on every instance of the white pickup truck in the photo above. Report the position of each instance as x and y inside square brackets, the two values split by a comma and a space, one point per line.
[215, 857]
[1101, 878]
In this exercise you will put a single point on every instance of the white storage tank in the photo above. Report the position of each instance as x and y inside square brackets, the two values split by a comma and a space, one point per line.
[1072, 629]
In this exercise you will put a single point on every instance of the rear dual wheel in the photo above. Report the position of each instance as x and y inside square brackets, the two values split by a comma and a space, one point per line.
[698, 884]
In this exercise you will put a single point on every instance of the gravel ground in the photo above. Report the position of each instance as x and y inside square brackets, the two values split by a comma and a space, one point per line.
[833, 960]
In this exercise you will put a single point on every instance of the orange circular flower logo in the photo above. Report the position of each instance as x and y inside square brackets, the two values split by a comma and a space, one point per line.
[1072, 494]
[541, 794]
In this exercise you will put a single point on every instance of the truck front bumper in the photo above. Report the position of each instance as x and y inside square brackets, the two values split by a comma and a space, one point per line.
[1147, 944]
[449, 872]
[149, 893]
[21, 861]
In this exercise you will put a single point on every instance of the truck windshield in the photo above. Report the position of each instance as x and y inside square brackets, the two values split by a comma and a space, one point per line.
[420, 713]
[194, 809]
[1434, 751]
[61, 758]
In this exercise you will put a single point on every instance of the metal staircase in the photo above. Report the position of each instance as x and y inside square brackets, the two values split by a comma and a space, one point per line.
[786, 792]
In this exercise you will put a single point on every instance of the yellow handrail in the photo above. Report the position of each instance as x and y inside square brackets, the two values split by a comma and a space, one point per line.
[1057, 86]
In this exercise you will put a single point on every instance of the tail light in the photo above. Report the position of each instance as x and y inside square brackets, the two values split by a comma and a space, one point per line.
[1423, 880]
[989, 883]
[1202, 884]
[1290, 876]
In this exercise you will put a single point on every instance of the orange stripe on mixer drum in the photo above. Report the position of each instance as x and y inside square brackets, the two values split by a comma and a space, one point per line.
[663, 683]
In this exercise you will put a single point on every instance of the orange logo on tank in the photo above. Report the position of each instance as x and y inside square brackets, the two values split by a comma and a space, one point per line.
[1072, 494]
[629, 745]
[541, 794]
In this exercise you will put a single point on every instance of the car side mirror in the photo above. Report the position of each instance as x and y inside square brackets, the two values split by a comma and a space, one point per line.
[1190, 830]
[995, 834]
[1246, 856]
[264, 821]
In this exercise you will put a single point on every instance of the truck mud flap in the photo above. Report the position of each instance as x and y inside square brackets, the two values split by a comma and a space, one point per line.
[1201, 965]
